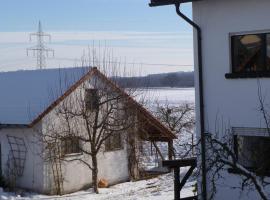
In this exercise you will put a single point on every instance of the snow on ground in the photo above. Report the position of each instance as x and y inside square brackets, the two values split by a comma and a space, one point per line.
[160, 188]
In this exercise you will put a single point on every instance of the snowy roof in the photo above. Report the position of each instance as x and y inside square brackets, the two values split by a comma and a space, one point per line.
[27, 93]
[27, 96]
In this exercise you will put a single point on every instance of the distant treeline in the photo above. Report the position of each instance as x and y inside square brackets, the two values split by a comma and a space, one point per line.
[176, 79]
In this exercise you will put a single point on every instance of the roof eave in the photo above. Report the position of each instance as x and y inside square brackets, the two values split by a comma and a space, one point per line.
[155, 3]
[5, 126]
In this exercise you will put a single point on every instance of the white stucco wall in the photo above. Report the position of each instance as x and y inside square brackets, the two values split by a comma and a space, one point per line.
[32, 177]
[114, 166]
[37, 175]
[229, 102]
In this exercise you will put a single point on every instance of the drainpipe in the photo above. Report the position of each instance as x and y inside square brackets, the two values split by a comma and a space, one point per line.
[199, 43]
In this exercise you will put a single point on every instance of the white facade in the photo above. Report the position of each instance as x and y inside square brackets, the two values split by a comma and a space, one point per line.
[33, 174]
[37, 175]
[229, 102]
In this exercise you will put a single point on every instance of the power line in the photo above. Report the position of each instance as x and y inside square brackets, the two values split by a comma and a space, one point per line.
[129, 63]
[133, 63]
[40, 51]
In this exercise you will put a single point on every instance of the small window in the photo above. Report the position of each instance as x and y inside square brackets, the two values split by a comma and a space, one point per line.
[268, 52]
[253, 153]
[91, 99]
[114, 142]
[70, 145]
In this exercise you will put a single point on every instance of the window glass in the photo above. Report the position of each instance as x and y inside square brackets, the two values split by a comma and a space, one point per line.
[248, 53]
[91, 99]
[70, 145]
[268, 51]
[114, 142]
[253, 152]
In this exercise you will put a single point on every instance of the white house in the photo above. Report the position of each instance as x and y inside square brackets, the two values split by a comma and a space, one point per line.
[232, 67]
[28, 100]
[235, 64]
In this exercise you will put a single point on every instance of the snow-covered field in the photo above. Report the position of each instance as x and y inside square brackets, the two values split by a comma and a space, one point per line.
[170, 95]
[160, 188]
[174, 97]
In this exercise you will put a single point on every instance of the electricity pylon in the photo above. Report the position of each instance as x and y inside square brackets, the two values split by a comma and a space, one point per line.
[40, 51]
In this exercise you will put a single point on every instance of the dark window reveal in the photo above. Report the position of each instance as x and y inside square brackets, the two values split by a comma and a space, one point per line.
[268, 52]
[70, 145]
[249, 53]
[114, 142]
[253, 153]
[91, 99]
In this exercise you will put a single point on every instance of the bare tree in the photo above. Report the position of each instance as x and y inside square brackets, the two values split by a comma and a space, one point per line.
[96, 116]
[221, 157]
[180, 119]
[93, 115]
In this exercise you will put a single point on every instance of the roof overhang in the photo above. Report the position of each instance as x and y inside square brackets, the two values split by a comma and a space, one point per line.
[168, 2]
[6, 126]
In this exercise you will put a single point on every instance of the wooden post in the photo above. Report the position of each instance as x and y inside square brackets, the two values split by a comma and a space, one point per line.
[176, 183]
[0, 161]
[179, 184]
[170, 149]
[158, 150]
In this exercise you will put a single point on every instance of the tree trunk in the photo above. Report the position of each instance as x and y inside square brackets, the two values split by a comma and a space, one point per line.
[171, 152]
[95, 173]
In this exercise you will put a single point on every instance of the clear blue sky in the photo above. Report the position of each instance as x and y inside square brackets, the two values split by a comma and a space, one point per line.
[108, 15]
[74, 24]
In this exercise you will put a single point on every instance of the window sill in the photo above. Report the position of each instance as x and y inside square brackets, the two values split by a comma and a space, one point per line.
[72, 155]
[235, 171]
[113, 150]
[247, 75]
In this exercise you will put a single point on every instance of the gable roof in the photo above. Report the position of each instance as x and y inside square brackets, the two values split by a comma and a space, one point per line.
[29, 92]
